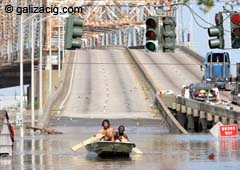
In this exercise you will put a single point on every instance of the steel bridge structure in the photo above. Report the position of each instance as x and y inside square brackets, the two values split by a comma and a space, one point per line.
[106, 22]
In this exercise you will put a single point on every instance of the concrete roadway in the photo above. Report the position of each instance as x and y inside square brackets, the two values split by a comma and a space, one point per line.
[105, 86]
[171, 71]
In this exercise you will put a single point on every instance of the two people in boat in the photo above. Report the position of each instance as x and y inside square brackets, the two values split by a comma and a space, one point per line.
[109, 134]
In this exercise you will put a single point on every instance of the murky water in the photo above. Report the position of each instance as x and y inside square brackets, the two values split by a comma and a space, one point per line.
[162, 151]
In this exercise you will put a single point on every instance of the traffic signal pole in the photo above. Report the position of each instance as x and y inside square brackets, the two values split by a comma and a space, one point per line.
[235, 29]
[217, 32]
[168, 34]
[73, 35]
[152, 33]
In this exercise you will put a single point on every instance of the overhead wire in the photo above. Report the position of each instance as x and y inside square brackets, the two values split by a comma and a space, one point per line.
[194, 14]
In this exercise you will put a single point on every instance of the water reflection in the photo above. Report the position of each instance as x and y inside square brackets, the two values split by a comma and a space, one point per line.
[29, 153]
[161, 151]
[6, 164]
[228, 148]
[94, 157]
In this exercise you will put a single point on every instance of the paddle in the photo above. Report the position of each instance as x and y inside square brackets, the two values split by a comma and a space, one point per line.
[136, 150]
[87, 141]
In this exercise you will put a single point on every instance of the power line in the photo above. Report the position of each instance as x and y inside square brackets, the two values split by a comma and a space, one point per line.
[194, 17]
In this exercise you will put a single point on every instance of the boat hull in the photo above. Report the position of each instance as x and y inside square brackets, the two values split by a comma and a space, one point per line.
[106, 148]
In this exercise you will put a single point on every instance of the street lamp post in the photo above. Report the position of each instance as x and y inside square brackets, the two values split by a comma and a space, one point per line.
[32, 78]
[63, 39]
[40, 67]
[21, 72]
[50, 58]
[59, 51]
[32, 66]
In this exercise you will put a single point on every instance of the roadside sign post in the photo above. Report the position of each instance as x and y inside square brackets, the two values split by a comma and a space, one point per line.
[19, 119]
[220, 130]
[228, 130]
[215, 129]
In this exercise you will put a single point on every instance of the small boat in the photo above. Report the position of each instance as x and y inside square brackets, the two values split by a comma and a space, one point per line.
[108, 148]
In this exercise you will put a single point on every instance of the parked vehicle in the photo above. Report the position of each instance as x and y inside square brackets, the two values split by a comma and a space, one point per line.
[217, 69]
[202, 92]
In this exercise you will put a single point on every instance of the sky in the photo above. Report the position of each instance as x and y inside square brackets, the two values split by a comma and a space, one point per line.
[198, 36]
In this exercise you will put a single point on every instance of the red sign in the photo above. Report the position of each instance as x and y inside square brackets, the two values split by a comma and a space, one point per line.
[228, 130]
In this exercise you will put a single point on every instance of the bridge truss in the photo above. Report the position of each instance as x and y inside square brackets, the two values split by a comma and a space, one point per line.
[106, 22]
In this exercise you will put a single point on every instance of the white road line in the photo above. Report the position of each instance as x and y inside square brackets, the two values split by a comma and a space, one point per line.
[70, 87]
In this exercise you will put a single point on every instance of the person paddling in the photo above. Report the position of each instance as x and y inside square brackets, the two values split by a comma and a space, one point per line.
[120, 134]
[107, 131]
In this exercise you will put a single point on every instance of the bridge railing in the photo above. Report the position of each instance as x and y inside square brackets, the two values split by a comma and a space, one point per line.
[208, 108]
[189, 107]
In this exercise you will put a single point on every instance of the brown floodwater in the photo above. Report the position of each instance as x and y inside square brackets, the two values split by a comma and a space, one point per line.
[162, 150]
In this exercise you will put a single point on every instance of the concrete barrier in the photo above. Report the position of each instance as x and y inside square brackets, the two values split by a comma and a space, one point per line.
[192, 53]
[172, 123]
[216, 110]
[58, 93]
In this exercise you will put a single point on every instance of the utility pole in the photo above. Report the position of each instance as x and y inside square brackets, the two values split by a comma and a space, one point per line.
[21, 73]
[32, 77]
[59, 47]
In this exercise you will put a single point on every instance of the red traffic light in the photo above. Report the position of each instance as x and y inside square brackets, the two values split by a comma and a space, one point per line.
[151, 23]
[217, 19]
[151, 35]
[236, 32]
[235, 18]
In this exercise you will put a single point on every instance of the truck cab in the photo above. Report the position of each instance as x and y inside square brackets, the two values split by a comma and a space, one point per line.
[217, 68]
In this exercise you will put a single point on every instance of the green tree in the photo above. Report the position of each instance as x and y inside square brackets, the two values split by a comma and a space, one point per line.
[205, 5]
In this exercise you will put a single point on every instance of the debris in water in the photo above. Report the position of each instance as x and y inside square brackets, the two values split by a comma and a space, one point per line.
[49, 131]
[211, 156]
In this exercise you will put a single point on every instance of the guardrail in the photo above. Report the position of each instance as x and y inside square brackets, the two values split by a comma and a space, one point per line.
[58, 93]
[192, 53]
[208, 108]
[207, 114]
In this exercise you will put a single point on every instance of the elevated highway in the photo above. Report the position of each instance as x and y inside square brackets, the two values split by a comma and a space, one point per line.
[105, 84]
[171, 71]
[10, 73]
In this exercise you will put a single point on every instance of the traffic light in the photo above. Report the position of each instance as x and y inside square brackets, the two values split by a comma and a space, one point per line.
[168, 34]
[235, 30]
[73, 32]
[152, 33]
[218, 32]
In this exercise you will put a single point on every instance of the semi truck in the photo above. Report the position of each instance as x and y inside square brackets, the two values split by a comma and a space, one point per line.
[217, 69]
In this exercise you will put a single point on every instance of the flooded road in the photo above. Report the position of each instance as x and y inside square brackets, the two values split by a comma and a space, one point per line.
[162, 151]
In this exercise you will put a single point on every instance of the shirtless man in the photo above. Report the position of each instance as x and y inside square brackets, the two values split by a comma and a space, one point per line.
[107, 131]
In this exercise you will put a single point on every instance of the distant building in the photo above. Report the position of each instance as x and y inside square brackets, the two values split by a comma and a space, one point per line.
[11, 101]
